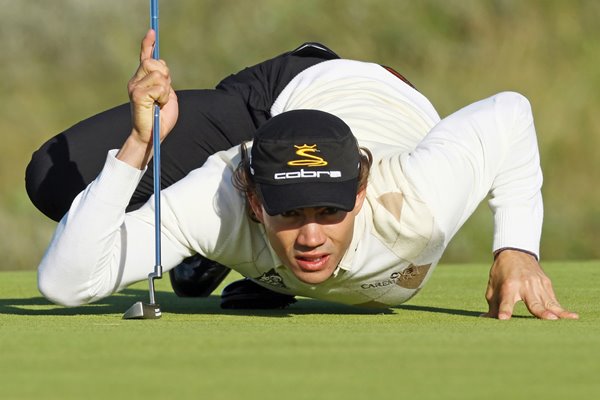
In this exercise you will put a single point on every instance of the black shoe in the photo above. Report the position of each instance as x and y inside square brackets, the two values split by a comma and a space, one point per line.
[197, 276]
[247, 295]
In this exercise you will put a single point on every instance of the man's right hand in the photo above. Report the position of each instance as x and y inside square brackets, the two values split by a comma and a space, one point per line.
[516, 276]
[150, 85]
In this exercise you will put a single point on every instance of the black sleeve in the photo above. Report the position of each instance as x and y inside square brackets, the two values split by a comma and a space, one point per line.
[209, 121]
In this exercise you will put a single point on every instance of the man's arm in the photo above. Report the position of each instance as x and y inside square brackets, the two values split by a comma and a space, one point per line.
[97, 249]
[490, 147]
[86, 258]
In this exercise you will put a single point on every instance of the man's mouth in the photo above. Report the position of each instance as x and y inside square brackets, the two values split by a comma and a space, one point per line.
[312, 263]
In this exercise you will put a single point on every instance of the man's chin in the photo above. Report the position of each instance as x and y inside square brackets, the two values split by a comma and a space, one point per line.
[314, 277]
[311, 279]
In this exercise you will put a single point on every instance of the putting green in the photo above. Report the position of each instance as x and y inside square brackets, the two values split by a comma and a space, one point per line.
[434, 347]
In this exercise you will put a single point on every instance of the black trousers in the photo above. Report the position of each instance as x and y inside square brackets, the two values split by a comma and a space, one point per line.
[209, 121]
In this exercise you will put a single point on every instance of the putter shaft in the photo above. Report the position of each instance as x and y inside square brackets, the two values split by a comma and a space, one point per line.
[140, 310]
[157, 274]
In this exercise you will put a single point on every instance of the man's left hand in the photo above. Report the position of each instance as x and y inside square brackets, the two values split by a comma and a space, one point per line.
[515, 276]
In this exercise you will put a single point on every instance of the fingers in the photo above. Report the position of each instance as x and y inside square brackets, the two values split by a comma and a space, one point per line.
[150, 85]
[147, 45]
[497, 307]
[506, 310]
[544, 308]
[543, 303]
[550, 310]
[568, 315]
[154, 85]
[151, 81]
[517, 276]
[148, 66]
[147, 63]
[539, 311]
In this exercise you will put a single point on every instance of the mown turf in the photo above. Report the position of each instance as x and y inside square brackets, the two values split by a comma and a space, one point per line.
[434, 347]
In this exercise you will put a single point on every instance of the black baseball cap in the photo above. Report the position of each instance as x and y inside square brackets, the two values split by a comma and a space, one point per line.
[305, 158]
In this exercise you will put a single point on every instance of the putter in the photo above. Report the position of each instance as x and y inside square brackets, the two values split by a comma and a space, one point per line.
[151, 310]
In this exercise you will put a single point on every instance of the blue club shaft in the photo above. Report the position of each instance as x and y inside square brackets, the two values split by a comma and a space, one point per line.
[154, 18]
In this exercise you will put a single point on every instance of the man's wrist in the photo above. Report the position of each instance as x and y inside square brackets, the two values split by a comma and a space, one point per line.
[135, 152]
[497, 252]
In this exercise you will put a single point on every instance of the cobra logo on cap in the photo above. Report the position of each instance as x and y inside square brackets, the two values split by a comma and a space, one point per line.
[309, 160]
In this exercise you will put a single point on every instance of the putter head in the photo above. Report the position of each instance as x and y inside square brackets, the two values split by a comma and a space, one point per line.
[143, 311]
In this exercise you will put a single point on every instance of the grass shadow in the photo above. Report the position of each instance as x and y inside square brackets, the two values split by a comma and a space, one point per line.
[440, 310]
[41, 306]
[172, 304]
[451, 311]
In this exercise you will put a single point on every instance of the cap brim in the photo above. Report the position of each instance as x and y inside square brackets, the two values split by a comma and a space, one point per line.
[278, 199]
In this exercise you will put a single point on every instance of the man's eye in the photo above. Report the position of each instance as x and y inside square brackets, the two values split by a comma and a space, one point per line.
[330, 211]
[288, 214]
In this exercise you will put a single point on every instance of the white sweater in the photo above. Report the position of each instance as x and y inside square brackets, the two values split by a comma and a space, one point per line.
[427, 178]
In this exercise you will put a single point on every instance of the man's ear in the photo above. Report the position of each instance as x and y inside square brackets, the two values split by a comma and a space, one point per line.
[256, 206]
[360, 199]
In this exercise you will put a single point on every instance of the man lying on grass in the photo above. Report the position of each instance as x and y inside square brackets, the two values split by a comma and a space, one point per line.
[308, 174]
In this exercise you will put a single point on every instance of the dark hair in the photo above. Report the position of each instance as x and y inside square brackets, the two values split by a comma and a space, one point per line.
[243, 182]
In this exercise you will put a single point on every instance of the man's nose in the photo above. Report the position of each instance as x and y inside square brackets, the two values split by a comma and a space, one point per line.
[311, 235]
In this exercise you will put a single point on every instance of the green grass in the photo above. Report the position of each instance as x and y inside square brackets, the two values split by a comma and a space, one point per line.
[435, 347]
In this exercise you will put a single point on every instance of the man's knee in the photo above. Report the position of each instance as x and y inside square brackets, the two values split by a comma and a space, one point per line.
[51, 180]
[51, 287]
[36, 186]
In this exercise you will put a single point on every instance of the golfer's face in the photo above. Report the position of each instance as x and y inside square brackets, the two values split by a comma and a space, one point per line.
[311, 241]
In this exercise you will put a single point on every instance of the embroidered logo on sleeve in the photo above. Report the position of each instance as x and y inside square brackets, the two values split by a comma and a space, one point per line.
[413, 276]
[409, 278]
[272, 278]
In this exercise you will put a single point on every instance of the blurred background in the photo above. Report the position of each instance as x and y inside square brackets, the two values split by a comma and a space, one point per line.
[65, 60]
